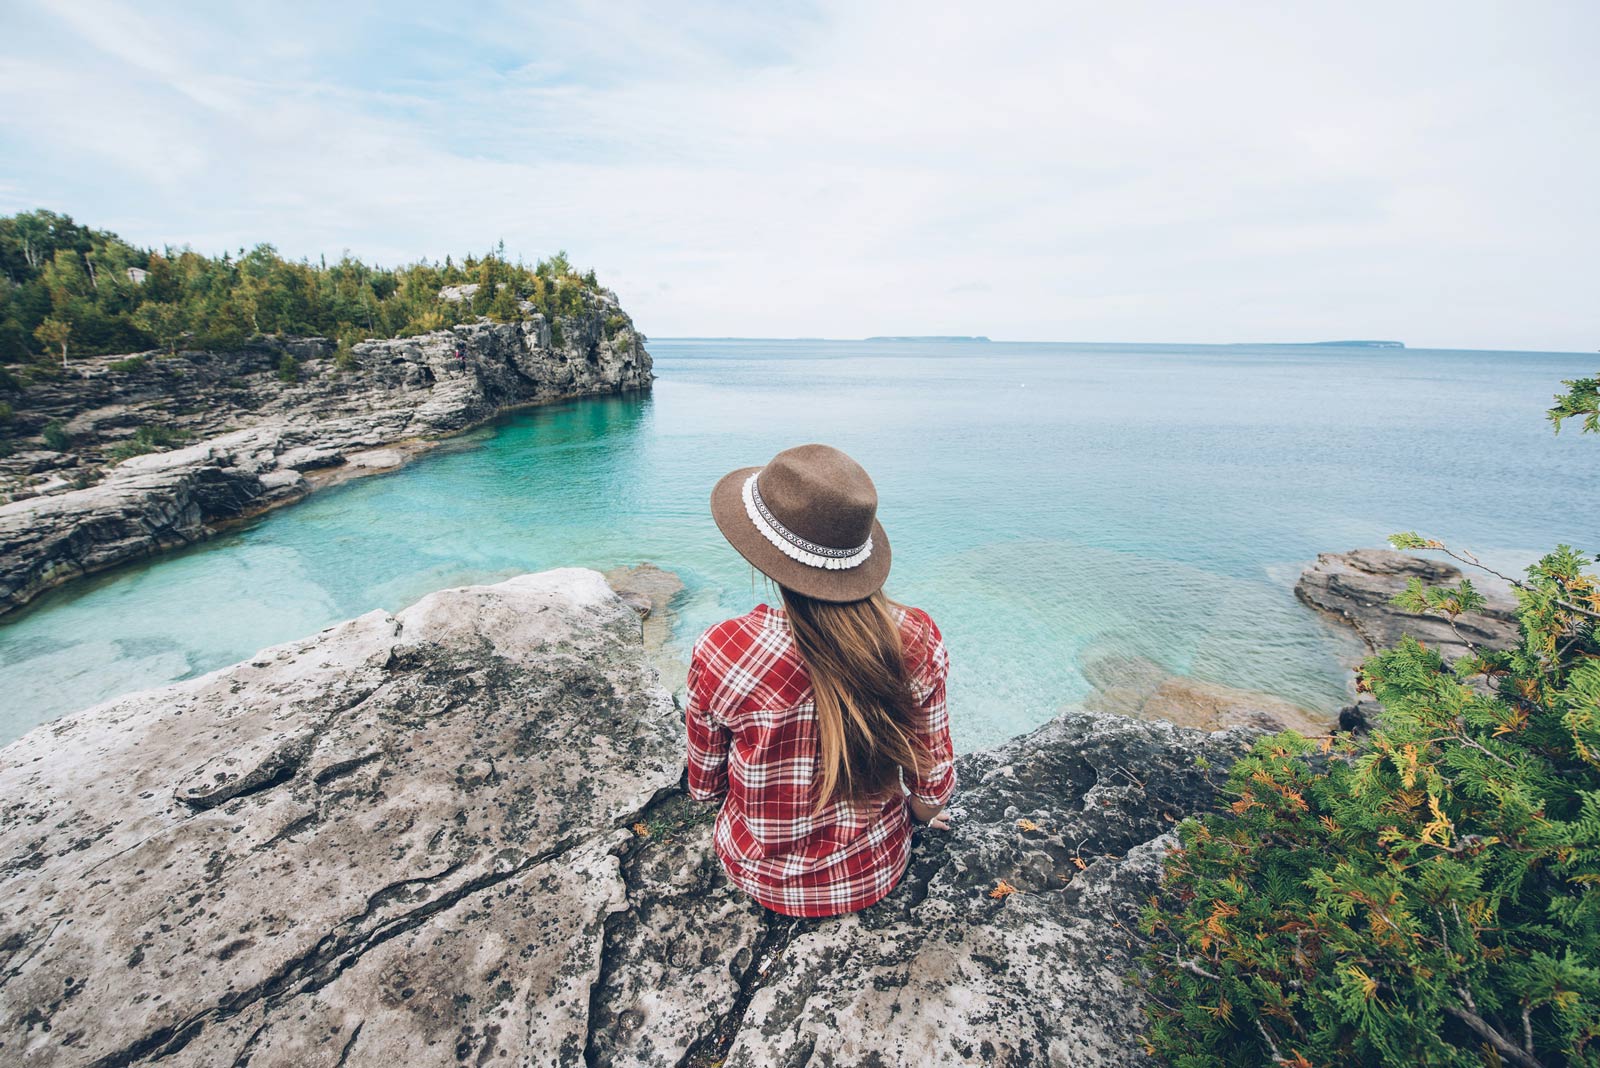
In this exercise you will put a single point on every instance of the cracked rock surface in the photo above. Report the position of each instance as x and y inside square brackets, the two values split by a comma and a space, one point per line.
[455, 836]
[260, 442]
[405, 825]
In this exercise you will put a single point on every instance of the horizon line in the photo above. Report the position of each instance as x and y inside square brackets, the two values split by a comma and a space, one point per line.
[882, 339]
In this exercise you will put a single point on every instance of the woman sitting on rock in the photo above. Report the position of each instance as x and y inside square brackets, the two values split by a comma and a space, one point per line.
[821, 725]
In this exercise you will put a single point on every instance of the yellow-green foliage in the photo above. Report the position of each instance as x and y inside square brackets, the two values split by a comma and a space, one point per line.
[1425, 895]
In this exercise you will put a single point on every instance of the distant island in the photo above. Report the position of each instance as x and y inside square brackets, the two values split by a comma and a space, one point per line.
[1333, 344]
[932, 337]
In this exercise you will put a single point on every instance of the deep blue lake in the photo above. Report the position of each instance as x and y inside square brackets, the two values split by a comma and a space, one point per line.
[1046, 503]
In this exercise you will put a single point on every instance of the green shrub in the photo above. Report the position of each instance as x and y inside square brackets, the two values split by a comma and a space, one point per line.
[148, 438]
[288, 368]
[7, 413]
[344, 356]
[132, 363]
[1425, 895]
[56, 436]
[615, 325]
[557, 337]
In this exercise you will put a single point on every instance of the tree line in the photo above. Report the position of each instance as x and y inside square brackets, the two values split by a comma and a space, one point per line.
[67, 289]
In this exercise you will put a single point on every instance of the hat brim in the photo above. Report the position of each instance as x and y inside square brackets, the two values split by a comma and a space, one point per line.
[851, 584]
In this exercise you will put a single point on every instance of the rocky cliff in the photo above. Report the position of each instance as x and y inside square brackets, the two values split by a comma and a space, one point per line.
[260, 441]
[456, 836]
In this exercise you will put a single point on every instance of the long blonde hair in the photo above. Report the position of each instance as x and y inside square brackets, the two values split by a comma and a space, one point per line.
[866, 710]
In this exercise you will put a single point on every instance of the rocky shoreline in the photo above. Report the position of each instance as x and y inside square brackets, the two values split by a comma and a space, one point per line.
[458, 831]
[260, 442]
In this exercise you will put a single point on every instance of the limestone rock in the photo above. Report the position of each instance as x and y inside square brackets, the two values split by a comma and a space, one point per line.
[390, 843]
[376, 459]
[456, 835]
[1357, 587]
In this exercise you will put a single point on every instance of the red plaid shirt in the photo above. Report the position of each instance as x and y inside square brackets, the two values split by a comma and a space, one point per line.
[753, 737]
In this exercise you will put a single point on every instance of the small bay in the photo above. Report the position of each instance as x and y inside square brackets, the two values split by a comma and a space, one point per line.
[1048, 504]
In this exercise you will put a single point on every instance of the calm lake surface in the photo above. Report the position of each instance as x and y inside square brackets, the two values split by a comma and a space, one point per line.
[1048, 504]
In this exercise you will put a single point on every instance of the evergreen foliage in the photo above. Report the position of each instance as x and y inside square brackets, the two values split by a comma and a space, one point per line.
[288, 368]
[1581, 401]
[65, 286]
[148, 438]
[56, 437]
[1428, 894]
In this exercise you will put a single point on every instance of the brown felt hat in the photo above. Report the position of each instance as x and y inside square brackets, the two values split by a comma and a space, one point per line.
[808, 521]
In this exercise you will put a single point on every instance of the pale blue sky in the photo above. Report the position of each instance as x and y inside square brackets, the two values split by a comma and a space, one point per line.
[1062, 171]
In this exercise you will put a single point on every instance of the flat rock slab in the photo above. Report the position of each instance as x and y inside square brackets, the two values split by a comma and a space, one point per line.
[1358, 588]
[402, 827]
[456, 835]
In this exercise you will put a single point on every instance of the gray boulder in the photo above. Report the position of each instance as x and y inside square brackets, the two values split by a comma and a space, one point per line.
[1357, 588]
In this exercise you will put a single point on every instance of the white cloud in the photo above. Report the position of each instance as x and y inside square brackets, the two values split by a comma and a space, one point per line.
[1094, 172]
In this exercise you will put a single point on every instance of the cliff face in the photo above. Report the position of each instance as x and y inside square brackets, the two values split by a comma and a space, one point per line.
[257, 437]
[456, 834]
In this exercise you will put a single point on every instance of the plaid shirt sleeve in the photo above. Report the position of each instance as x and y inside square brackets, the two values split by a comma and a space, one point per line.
[936, 786]
[708, 740]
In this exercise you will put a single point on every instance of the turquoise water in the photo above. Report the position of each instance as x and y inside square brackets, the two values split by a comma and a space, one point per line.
[1047, 503]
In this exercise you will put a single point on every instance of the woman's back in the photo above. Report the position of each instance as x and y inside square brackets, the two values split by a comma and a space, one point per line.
[814, 722]
[754, 738]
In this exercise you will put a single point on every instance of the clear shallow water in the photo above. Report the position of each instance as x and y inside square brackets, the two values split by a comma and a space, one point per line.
[1048, 504]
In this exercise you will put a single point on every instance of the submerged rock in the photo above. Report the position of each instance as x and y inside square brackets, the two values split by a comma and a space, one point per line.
[650, 591]
[456, 835]
[259, 436]
[1139, 687]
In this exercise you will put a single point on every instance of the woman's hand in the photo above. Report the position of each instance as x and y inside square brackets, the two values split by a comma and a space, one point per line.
[937, 819]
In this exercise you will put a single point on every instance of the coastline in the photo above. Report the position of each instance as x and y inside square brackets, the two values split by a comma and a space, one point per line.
[542, 828]
[366, 462]
[487, 784]
[404, 398]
